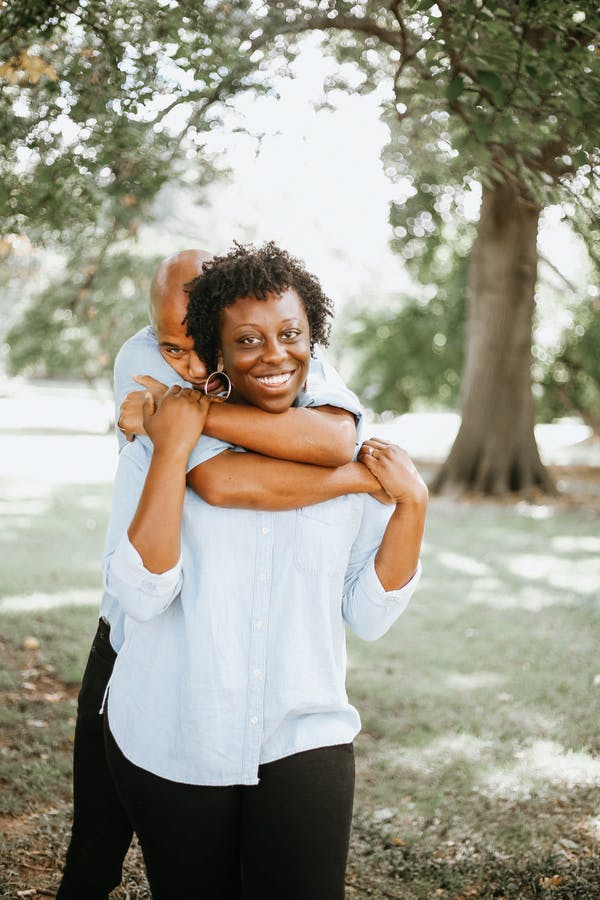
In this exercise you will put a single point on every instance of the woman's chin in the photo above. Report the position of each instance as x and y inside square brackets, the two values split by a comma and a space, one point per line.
[274, 404]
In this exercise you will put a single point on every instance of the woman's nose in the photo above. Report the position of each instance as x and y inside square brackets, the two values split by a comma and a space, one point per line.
[274, 351]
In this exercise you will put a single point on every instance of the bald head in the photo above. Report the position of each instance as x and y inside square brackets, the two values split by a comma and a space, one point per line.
[168, 309]
[169, 279]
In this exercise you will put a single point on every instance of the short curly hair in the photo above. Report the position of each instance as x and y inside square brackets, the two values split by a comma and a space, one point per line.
[250, 272]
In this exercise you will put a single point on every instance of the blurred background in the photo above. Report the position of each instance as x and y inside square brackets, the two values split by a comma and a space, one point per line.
[437, 167]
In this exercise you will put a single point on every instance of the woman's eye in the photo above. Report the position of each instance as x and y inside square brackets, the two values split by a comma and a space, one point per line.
[291, 335]
[249, 340]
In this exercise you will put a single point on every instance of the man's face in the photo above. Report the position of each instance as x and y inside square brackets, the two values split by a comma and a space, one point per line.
[174, 344]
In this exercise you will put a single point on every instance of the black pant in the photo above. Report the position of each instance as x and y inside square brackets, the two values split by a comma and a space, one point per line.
[283, 839]
[101, 831]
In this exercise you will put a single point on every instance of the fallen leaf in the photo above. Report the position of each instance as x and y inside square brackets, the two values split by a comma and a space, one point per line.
[549, 883]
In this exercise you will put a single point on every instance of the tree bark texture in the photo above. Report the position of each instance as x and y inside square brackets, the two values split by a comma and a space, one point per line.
[495, 450]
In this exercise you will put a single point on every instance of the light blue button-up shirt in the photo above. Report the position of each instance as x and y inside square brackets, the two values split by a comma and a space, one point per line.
[237, 655]
[140, 356]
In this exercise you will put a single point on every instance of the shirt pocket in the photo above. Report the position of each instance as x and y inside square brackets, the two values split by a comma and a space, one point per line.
[324, 536]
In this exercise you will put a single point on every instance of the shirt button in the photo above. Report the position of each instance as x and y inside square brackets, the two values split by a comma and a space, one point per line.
[253, 720]
[258, 624]
[262, 576]
[257, 672]
[265, 530]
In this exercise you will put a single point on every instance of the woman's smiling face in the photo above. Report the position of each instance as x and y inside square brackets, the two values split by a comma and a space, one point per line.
[265, 349]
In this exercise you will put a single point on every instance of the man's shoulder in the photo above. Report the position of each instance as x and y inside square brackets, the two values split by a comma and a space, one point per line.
[145, 337]
[137, 347]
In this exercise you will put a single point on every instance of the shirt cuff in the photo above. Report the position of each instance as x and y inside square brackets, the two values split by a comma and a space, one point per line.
[141, 593]
[399, 597]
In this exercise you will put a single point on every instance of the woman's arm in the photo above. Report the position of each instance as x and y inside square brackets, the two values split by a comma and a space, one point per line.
[323, 436]
[397, 474]
[383, 569]
[174, 426]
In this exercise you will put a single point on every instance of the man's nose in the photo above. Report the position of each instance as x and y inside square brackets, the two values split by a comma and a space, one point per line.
[196, 368]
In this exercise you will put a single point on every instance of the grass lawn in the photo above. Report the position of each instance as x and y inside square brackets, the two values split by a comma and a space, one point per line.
[479, 761]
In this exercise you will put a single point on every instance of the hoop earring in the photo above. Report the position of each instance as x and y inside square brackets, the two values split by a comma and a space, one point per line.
[218, 385]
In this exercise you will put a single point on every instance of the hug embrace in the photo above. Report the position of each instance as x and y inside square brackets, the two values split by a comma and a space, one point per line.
[244, 538]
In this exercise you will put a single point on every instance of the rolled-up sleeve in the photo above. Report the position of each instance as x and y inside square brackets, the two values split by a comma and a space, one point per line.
[142, 594]
[368, 609]
[139, 593]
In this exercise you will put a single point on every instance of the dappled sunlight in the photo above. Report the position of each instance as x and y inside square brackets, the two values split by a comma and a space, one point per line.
[460, 563]
[449, 749]
[569, 544]
[22, 513]
[537, 770]
[535, 511]
[585, 578]
[591, 826]
[495, 594]
[472, 681]
[38, 601]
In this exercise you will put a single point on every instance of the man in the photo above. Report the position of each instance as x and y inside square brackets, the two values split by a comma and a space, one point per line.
[319, 435]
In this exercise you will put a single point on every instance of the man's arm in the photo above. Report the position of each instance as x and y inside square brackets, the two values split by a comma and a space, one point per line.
[249, 481]
[323, 436]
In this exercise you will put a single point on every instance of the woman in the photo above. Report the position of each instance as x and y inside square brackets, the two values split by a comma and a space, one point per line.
[229, 729]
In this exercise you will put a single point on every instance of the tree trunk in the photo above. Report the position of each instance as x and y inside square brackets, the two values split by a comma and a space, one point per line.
[495, 450]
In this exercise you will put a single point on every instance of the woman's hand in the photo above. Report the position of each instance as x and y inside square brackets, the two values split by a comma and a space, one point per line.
[394, 470]
[175, 422]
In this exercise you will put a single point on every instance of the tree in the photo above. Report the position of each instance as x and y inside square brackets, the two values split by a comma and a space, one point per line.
[88, 91]
[502, 92]
[505, 93]
[571, 380]
[412, 350]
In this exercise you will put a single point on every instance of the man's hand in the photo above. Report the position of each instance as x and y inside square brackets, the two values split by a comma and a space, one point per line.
[394, 470]
[131, 419]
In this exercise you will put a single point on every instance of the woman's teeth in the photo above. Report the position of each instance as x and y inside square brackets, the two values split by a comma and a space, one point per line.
[275, 379]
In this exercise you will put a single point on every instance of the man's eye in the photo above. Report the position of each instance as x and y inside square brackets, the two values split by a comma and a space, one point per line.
[174, 351]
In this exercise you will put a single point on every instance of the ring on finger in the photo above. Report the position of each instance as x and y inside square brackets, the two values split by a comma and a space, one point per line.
[370, 451]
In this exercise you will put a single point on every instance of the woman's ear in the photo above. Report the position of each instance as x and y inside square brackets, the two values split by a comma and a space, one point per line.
[219, 361]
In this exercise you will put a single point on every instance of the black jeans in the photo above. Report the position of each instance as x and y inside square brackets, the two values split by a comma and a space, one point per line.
[101, 831]
[283, 839]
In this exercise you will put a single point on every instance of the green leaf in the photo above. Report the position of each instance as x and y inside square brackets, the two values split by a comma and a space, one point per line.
[491, 82]
[482, 129]
[455, 88]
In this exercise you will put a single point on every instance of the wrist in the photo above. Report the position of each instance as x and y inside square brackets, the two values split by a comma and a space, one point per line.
[171, 454]
[416, 498]
[357, 479]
